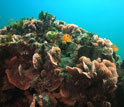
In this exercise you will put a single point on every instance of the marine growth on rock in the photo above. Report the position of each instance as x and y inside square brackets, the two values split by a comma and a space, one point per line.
[48, 63]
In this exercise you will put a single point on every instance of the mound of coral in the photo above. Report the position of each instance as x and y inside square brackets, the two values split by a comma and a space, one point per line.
[48, 63]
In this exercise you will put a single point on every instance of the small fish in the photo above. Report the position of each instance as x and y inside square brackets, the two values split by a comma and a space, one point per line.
[114, 47]
[66, 38]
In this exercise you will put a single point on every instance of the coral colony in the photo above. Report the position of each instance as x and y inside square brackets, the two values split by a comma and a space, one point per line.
[48, 63]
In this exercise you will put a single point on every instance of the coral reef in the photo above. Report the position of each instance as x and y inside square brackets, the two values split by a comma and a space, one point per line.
[48, 63]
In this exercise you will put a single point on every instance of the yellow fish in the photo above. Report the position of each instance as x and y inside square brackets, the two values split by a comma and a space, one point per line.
[66, 38]
[114, 47]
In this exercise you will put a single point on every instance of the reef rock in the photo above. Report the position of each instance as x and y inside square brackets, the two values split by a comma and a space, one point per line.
[48, 63]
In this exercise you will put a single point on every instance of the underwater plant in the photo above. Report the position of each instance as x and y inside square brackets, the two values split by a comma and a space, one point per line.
[45, 16]
[49, 63]
[9, 37]
[52, 34]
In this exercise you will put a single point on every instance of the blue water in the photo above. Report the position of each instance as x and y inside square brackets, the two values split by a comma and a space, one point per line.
[104, 17]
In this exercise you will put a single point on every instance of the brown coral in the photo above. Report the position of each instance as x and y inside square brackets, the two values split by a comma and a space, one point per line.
[17, 76]
[3, 31]
[53, 57]
[103, 73]
[37, 60]
[31, 64]
[33, 25]
[69, 28]
[101, 42]
[6, 85]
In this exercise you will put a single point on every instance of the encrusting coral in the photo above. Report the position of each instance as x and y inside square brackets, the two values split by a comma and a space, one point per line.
[49, 63]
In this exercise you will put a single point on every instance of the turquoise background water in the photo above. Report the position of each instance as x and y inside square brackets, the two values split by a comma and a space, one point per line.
[104, 17]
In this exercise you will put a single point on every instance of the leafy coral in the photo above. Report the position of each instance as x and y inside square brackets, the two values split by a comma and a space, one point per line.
[57, 64]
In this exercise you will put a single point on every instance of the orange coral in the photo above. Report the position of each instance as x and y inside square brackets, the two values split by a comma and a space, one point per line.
[66, 38]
